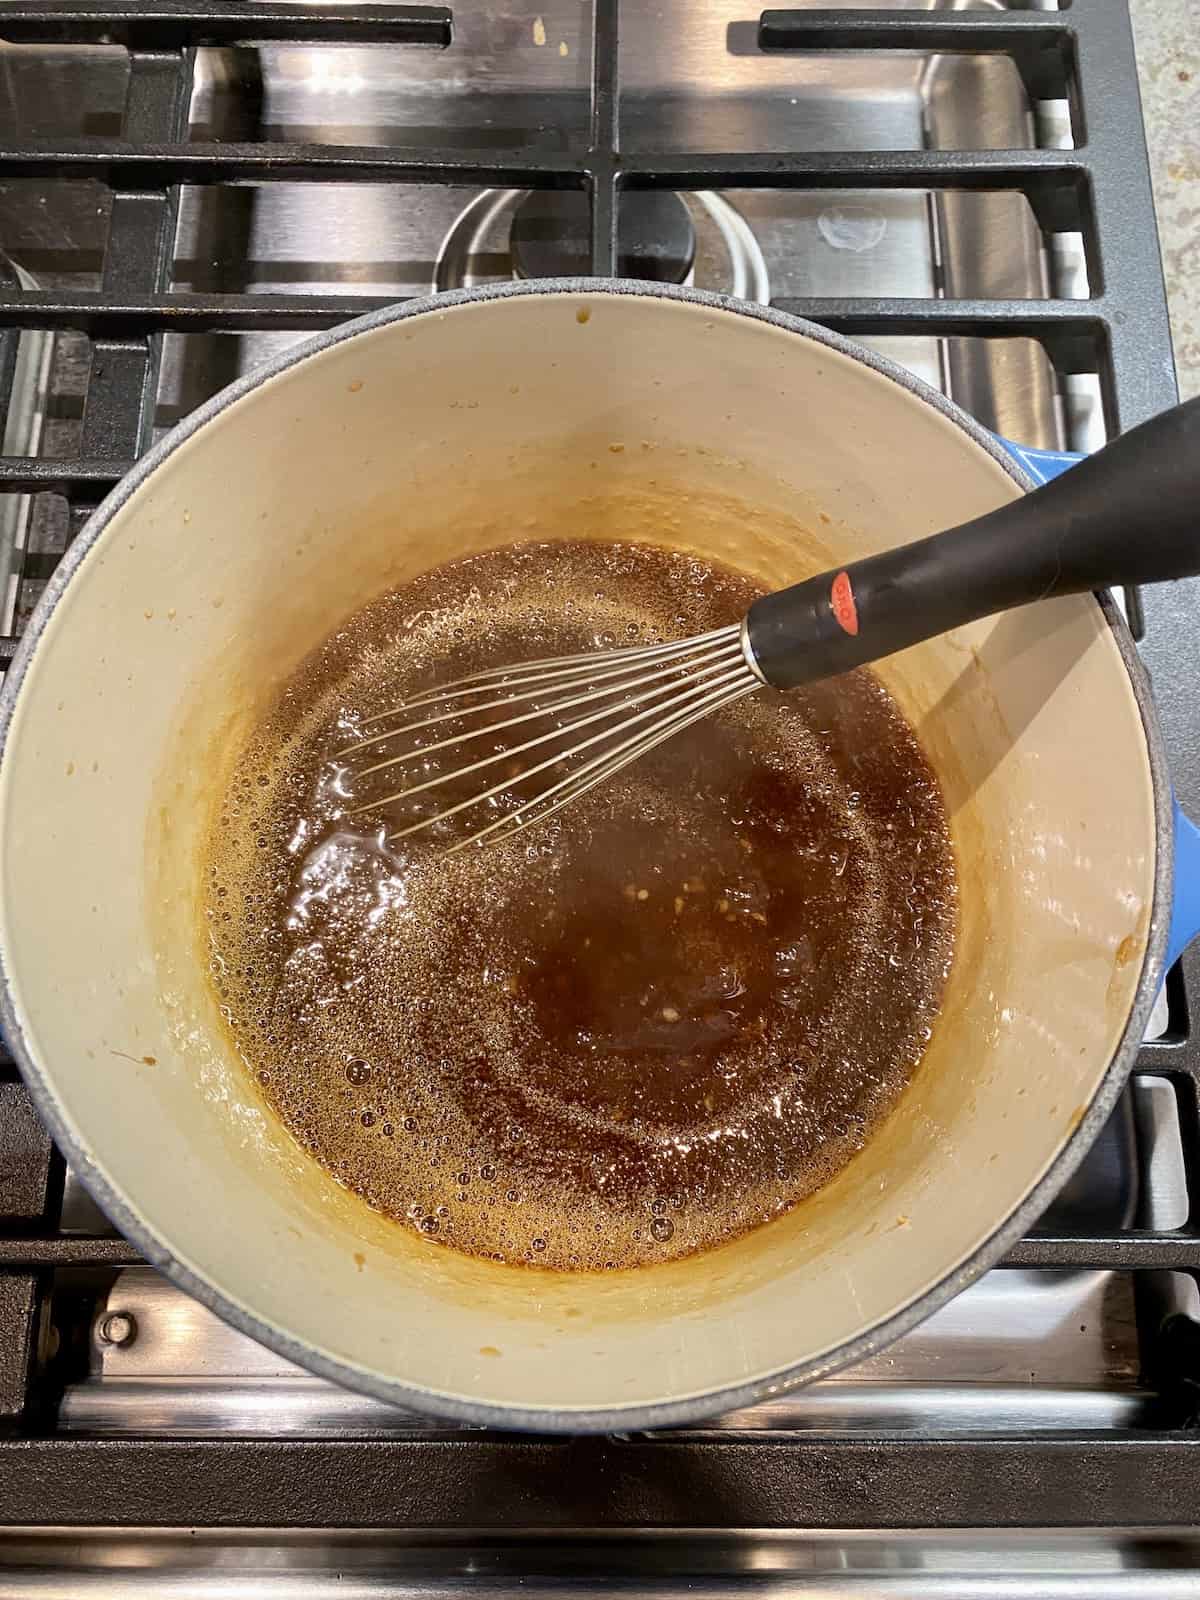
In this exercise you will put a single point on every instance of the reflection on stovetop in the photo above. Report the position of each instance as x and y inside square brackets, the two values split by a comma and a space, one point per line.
[903, 1564]
[1018, 1352]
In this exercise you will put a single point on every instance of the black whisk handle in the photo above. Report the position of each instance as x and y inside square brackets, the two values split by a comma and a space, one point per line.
[1128, 514]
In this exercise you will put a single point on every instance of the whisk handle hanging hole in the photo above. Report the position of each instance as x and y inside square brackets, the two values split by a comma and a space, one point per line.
[1129, 514]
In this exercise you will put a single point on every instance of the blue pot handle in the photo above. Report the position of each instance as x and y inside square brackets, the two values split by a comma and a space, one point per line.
[1185, 909]
[1042, 465]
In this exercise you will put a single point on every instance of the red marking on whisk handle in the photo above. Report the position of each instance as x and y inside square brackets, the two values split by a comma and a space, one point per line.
[841, 603]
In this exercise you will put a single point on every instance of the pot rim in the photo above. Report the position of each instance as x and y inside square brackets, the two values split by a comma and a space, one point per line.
[709, 1402]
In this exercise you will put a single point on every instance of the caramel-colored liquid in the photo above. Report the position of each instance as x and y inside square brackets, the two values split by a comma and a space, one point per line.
[653, 1022]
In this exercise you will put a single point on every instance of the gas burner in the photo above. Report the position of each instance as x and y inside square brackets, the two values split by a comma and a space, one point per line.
[662, 236]
[551, 235]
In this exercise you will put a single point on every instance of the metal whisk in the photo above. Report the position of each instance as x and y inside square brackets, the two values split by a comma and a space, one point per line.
[1125, 516]
[605, 708]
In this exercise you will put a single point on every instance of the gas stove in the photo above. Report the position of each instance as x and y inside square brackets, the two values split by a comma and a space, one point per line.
[188, 186]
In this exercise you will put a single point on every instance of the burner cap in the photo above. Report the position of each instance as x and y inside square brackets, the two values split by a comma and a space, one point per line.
[655, 237]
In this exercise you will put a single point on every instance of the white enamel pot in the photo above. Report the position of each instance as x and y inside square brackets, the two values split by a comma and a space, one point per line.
[422, 433]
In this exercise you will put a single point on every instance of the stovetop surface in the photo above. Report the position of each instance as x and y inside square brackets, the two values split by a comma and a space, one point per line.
[975, 204]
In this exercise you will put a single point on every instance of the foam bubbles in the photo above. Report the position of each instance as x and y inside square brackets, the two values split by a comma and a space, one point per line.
[614, 1041]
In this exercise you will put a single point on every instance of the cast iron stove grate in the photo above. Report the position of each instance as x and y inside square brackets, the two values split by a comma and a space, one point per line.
[1098, 189]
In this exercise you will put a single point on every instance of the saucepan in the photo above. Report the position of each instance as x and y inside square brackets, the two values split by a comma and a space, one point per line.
[543, 410]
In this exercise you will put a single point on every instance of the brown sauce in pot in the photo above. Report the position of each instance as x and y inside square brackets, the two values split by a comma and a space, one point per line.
[650, 1024]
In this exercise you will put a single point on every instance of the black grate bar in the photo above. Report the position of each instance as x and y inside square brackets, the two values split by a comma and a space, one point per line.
[126, 315]
[1040, 43]
[8, 342]
[1075, 333]
[211, 162]
[602, 157]
[1056, 182]
[1087, 322]
[39, 1252]
[119, 411]
[18, 1319]
[1114, 1252]
[904, 169]
[29, 474]
[175, 24]
[157, 165]
[1137, 1250]
[694, 1480]
[25, 1169]
[1163, 1056]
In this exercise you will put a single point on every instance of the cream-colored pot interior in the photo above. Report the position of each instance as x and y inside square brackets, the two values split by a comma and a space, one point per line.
[421, 438]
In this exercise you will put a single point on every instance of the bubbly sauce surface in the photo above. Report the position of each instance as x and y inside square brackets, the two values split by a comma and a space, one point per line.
[651, 1023]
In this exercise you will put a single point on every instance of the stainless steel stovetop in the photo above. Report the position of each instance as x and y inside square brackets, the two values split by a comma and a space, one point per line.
[1032, 1355]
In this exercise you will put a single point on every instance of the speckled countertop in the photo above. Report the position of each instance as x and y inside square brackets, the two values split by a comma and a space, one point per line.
[1168, 47]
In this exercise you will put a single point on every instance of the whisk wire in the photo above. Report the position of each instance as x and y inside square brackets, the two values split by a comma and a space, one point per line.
[638, 696]
[604, 766]
[536, 694]
[543, 766]
[509, 752]
[546, 668]
[541, 710]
